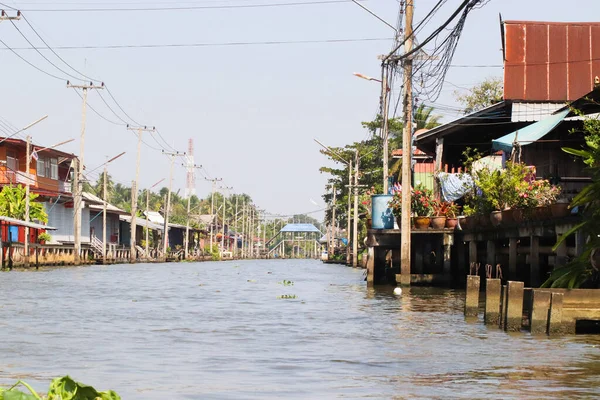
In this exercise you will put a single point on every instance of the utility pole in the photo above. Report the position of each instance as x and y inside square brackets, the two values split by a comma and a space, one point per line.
[355, 226]
[212, 207]
[27, 189]
[134, 189]
[348, 212]
[384, 129]
[332, 238]
[405, 256]
[77, 196]
[236, 227]
[168, 205]
[187, 222]
[224, 188]
[105, 199]
[147, 211]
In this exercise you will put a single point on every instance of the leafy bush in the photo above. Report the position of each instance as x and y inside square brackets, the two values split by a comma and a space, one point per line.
[64, 388]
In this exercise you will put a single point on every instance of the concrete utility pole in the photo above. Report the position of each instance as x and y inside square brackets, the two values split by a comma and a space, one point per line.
[385, 124]
[224, 188]
[105, 199]
[134, 189]
[243, 229]
[355, 230]
[187, 220]
[147, 211]
[6, 17]
[77, 196]
[332, 238]
[236, 227]
[212, 207]
[405, 256]
[168, 205]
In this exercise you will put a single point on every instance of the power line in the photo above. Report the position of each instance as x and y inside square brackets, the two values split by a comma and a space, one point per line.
[41, 54]
[189, 8]
[216, 44]
[119, 105]
[31, 64]
[54, 52]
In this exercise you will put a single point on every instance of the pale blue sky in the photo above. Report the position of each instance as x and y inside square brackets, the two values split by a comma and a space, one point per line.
[252, 111]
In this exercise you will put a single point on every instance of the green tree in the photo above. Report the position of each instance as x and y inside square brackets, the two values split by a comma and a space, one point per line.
[584, 269]
[480, 96]
[425, 119]
[12, 204]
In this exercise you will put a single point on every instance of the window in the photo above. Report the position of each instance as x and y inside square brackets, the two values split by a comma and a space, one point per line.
[12, 162]
[47, 167]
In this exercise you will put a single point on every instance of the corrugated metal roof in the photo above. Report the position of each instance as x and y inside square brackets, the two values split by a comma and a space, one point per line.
[301, 228]
[550, 61]
[531, 112]
[18, 222]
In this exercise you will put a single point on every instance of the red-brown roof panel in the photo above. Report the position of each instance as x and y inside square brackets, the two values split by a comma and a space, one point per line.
[536, 50]
[514, 66]
[550, 61]
[557, 66]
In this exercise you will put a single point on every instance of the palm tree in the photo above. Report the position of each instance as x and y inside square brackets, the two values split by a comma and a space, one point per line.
[424, 119]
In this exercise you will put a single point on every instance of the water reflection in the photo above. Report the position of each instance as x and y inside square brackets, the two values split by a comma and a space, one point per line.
[218, 330]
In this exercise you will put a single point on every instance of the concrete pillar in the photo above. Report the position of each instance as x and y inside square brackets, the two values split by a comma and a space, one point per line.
[370, 266]
[503, 304]
[491, 253]
[472, 297]
[472, 252]
[448, 241]
[534, 262]
[512, 258]
[555, 325]
[540, 304]
[493, 291]
[514, 306]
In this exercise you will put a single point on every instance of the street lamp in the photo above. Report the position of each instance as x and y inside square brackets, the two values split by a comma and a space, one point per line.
[349, 164]
[384, 124]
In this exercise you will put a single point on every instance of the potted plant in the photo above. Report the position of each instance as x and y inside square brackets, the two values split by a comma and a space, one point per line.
[468, 220]
[44, 237]
[440, 208]
[421, 204]
[365, 200]
[451, 215]
[560, 209]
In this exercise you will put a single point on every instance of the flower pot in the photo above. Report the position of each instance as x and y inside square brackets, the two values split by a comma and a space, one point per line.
[496, 218]
[451, 223]
[559, 210]
[438, 222]
[518, 215]
[422, 222]
[369, 223]
[482, 221]
[466, 222]
[542, 213]
[508, 216]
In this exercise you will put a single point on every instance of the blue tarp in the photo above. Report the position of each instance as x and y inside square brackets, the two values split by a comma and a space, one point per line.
[530, 133]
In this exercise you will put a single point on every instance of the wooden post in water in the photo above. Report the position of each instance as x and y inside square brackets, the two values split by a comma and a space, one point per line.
[512, 258]
[472, 297]
[493, 292]
[514, 306]
[540, 304]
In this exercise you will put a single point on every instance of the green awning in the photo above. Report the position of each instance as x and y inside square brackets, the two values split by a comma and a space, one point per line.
[530, 133]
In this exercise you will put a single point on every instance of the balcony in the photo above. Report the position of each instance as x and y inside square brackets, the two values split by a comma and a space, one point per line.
[64, 187]
[13, 177]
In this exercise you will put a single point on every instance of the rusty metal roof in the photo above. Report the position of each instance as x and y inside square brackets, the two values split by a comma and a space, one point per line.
[550, 61]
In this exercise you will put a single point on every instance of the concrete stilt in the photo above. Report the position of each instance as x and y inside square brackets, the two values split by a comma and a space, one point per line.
[472, 298]
[555, 325]
[540, 304]
[493, 291]
[370, 266]
[472, 252]
[514, 306]
[503, 303]
[448, 241]
[491, 252]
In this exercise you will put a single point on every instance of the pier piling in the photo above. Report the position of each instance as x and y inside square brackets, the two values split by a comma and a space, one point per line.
[472, 300]
[540, 304]
[514, 306]
[493, 288]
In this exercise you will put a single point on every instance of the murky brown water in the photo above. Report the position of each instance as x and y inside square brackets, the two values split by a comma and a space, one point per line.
[218, 331]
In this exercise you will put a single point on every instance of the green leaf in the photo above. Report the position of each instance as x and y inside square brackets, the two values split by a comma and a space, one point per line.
[66, 388]
[575, 152]
[16, 395]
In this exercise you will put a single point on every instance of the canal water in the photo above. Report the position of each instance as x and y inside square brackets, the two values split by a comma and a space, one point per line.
[219, 331]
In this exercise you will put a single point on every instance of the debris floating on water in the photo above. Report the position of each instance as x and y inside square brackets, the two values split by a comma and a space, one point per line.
[398, 291]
